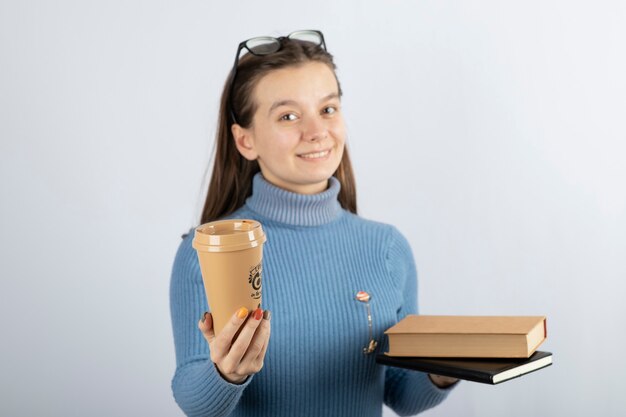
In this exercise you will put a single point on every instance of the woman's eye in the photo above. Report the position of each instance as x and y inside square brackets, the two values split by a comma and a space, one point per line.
[330, 110]
[288, 117]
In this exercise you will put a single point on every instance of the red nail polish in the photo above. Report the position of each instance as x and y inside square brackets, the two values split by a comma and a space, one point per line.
[258, 313]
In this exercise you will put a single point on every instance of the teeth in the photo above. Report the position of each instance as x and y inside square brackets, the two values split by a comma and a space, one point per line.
[315, 155]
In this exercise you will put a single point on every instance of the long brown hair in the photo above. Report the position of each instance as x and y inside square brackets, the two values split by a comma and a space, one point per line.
[231, 180]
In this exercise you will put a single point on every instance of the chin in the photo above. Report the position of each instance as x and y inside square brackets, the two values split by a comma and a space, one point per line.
[316, 179]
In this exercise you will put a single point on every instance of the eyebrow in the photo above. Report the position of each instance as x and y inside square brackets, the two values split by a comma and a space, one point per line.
[293, 102]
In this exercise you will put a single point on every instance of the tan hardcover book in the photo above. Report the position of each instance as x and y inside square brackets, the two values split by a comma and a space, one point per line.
[467, 336]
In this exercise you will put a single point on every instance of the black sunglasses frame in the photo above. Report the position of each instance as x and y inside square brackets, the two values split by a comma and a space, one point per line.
[278, 42]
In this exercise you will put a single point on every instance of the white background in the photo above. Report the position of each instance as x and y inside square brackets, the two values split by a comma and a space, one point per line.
[491, 133]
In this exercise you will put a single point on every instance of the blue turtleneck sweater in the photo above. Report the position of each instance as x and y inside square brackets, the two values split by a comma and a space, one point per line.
[316, 259]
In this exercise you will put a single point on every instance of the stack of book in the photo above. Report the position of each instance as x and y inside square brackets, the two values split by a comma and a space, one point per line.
[487, 349]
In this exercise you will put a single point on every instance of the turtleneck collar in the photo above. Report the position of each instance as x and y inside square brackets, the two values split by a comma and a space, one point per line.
[292, 208]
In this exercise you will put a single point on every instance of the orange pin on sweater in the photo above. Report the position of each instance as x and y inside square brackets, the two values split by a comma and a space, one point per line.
[364, 297]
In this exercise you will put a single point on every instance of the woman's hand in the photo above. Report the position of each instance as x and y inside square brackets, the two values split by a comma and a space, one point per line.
[442, 381]
[236, 360]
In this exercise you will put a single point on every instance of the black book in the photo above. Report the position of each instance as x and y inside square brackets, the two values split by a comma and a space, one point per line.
[486, 371]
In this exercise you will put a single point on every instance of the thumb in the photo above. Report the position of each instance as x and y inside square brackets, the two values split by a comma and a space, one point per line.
[206, 326]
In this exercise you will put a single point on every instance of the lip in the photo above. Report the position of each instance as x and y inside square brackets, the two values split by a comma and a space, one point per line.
[329, 150]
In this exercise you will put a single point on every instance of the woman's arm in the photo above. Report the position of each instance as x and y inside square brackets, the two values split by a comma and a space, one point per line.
[197, 385]
[409, 392]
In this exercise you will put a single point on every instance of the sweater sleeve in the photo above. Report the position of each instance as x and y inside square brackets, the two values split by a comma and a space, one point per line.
[407, 392]
[198, 388]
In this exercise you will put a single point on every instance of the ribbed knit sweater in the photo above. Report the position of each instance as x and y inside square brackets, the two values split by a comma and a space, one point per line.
[317, 257]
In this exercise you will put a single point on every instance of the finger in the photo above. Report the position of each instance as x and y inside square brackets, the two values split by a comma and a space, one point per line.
[206, 327]
[222, 342]
[241, 345]
[261, 355]
[258, 346]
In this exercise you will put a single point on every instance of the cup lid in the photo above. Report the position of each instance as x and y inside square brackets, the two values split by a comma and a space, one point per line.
[228, 235]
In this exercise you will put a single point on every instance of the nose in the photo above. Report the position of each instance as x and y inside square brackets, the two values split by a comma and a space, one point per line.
[314, 129]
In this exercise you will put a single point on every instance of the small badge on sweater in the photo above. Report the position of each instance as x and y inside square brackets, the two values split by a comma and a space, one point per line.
[364, 297]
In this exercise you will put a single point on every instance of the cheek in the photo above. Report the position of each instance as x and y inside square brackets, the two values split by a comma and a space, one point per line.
[275, 142]
[338, 130]
[279, 147]
[339, 133]
[283, 146]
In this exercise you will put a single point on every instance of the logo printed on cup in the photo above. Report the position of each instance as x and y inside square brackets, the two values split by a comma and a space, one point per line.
[255, 280]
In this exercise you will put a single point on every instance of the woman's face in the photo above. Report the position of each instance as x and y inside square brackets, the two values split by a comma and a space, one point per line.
[297, 133]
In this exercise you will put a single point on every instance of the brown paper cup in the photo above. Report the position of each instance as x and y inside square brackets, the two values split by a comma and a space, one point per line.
[230, 254]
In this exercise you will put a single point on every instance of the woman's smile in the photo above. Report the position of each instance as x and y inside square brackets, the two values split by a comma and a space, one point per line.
[316, 156]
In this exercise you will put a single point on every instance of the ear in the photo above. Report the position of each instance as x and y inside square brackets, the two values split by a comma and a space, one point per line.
[244, 141]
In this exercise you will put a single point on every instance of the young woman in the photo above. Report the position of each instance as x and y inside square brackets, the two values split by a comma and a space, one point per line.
[333, 281]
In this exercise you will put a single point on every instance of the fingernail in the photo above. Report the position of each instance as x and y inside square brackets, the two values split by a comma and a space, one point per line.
[204, 316]
[258, 313]
[267, 315]
[242, 313]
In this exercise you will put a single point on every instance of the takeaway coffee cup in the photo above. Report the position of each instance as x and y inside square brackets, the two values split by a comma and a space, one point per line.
[230, 254]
